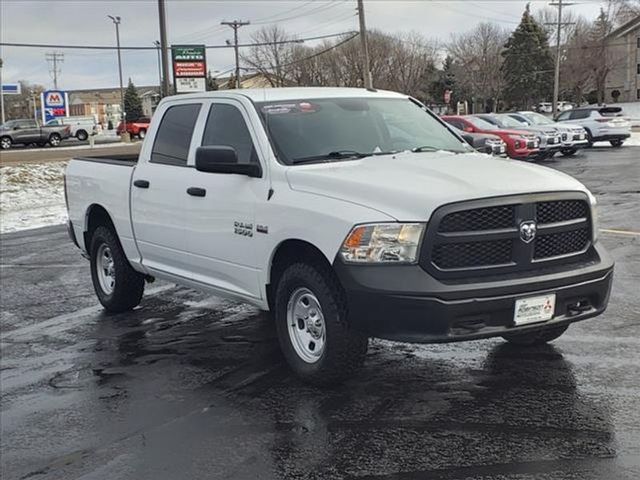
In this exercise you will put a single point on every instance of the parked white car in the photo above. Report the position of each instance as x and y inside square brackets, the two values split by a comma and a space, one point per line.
[81, 127]
[603, 124]
[347, 213]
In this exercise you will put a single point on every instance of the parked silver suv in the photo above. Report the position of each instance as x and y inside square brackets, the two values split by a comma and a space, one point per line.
[572, 136]
[603, 124]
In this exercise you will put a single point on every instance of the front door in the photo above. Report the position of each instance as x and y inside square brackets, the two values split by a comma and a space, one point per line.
[222, 235]
[158, 192]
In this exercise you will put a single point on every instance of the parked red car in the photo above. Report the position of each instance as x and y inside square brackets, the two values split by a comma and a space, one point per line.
[136, 129]
[521, 145]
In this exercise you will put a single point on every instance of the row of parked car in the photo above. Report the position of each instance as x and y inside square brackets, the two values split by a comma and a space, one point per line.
[528, 135]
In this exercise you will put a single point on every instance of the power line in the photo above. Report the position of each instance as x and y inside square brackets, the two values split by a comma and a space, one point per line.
[109, 47]
[54, 59]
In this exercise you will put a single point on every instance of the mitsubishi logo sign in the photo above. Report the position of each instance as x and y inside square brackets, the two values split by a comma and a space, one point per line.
[54, 99]
[528, 231]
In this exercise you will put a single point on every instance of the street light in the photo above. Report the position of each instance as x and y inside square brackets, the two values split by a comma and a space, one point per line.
[116, 22]
[158, 45]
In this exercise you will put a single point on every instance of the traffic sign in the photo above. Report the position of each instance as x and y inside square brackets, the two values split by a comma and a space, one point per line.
[11, 89]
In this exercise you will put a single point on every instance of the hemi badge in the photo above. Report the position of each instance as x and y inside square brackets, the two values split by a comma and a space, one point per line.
[262, 228]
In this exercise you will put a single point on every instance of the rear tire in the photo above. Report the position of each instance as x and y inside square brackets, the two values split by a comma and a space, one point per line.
[313, 328]
[616, 143]
[537, 337]
[54, 140]
[82, 135]
[141, 134]
[118, 286]
[569, 152]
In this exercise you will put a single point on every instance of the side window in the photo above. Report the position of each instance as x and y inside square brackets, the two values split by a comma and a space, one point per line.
[225, 126]
[564, 116]
[173, 139]
[456, 123]
[580, 114]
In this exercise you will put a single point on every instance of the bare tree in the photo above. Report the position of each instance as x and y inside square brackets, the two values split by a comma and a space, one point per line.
[477, 53]
[271, 55]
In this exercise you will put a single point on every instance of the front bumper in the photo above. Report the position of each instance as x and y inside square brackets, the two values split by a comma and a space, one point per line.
[405, 303]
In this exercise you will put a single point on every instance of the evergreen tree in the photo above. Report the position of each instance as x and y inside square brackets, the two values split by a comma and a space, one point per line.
[132, 103]
[528, 64]
[211, 82]
[446, 80]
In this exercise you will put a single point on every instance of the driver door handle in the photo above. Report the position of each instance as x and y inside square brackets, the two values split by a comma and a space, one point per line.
[141, 183]
[196, 191]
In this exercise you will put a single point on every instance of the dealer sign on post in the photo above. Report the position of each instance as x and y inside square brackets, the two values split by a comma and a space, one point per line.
[55, 103]
[189, 68]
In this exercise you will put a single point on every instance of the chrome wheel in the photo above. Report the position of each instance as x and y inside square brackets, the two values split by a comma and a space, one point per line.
[306, 325]
[106, 269]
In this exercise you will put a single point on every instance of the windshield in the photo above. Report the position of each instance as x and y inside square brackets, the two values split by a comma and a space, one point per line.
[538, 119]
[481, 124]
[329, 129]
[509, 122]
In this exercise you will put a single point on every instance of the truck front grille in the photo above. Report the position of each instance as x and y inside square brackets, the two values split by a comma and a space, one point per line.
[489, 236]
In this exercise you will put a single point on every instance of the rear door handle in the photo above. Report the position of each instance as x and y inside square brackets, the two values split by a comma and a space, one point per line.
[141, 183]
[196, 191]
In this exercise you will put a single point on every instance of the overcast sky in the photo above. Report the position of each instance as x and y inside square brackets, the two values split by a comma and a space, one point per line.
[198, 21]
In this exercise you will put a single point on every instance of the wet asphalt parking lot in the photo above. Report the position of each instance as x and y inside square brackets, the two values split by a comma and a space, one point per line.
[192, 387]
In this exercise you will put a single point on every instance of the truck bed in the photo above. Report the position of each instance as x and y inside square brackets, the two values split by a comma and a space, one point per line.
[125, 159]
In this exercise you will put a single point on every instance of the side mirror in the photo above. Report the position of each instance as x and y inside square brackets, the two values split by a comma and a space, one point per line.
[224, 159]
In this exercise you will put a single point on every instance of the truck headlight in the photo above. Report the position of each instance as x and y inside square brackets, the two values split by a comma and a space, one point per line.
[383, 243]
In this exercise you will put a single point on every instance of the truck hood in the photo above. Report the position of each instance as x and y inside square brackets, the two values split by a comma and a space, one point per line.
[410, 186]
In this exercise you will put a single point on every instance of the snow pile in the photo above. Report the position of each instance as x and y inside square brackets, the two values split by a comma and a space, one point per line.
[634, 140]
[31, 195]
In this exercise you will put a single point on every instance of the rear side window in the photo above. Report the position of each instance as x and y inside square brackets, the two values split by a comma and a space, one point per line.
[456, 123]
[226, 127]
[580, 114]
[173, 139]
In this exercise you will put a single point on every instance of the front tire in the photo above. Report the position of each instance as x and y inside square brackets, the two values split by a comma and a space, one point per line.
[569, 152]
[537, 337]
[313, 328]
[616, 143]
[141, 134]
[54, 140]
[118, 286]
[82, 135]
[5, 143]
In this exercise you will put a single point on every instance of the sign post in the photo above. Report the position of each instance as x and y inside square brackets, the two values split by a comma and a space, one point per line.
[189, 68]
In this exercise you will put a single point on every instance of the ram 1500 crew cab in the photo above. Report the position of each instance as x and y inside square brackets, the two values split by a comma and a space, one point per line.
[348, 214]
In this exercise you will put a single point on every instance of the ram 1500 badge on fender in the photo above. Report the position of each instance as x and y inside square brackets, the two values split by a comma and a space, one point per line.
[375, 220]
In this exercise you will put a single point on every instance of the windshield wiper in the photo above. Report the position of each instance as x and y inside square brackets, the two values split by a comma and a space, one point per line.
[336, 155]
[429, 148]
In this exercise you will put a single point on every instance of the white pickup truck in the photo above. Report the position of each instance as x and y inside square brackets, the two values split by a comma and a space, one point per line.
[348, 214]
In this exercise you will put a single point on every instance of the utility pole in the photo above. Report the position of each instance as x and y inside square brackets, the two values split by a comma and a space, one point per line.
[1, 91]
[116, 22]
[54, 58]
[236, 25]
[162, 15]
[157, 44]
[556, 78]
[368, 82]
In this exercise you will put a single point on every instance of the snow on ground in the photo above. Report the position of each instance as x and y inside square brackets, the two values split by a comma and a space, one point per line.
[31, 196]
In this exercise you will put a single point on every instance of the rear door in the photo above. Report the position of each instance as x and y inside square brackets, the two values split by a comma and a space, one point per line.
[158, 190]
[221, 230]
[28, 132]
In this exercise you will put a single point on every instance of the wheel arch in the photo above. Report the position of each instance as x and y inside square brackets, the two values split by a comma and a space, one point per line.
[287, 252]
[95, 216]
